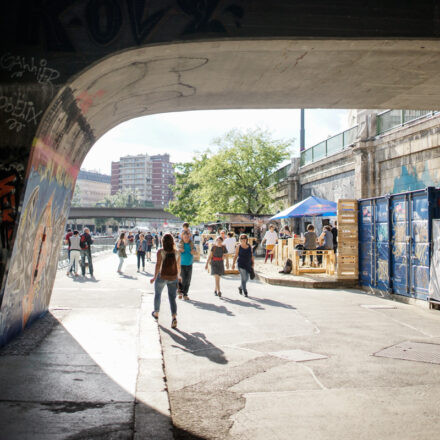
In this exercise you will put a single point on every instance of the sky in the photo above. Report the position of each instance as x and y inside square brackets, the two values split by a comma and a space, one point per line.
[182, 134]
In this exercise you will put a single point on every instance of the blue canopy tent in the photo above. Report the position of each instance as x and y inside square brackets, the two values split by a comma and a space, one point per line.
[310, 207]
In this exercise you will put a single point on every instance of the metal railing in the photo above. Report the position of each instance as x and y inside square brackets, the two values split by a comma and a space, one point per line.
[329, 147]
[279, 175]
[100, 245]
[390, 119]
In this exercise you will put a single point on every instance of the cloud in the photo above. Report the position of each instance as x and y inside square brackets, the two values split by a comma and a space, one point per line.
[182, 133]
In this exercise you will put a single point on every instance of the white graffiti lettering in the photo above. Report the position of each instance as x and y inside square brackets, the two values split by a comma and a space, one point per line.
[19, 65]
[21, 111]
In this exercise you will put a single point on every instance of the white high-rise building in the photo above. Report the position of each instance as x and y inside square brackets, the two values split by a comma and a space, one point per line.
[149, 176]
[135, 175]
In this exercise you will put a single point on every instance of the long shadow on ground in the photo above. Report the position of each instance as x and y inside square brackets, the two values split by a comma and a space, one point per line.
[273, 303]
[211, 307]
[197, 344]
[241, 303]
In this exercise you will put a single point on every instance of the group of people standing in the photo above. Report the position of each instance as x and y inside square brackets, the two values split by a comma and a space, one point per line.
[78, 251]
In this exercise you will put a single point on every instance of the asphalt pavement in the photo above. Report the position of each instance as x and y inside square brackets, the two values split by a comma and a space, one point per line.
[284, 363]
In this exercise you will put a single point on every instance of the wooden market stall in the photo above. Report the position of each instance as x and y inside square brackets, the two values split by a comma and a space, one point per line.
[344, 265]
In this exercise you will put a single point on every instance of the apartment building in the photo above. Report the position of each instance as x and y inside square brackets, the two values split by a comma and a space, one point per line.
[162, 178]
[93, 187]
[149, 176]
[115, 178]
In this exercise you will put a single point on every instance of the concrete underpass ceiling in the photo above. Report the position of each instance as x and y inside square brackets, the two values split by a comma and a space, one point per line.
[255, 74]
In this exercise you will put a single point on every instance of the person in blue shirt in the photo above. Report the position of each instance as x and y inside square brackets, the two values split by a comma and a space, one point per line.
[187, 250]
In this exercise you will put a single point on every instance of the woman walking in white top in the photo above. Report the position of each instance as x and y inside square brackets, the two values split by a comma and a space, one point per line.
[271, 238]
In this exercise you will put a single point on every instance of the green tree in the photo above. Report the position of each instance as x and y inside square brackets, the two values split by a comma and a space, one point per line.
[124, 199]
[100, 222]
[236, 177]
[76, 198]
[185, 204]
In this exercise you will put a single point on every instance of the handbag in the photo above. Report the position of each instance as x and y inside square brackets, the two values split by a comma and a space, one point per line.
[252, 273]
[115, 249]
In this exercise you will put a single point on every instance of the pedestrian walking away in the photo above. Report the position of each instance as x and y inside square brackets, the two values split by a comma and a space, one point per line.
[86, 242]
[245, 259]
[271, 238]
[121, 245]
[130, 238]
[75, 251]
[149, 240]
[187, 250]
[167, 272]
[141, 250]
[216, 259]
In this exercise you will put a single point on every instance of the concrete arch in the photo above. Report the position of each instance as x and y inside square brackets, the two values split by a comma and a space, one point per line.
[219, 74]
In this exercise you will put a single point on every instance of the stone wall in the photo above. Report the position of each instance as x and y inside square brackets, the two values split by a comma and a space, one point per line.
[339, 186]
[408, 158]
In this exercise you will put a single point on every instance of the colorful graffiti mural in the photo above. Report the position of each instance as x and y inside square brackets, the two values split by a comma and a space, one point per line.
[11, 181]
[412, 178]
[51, 179]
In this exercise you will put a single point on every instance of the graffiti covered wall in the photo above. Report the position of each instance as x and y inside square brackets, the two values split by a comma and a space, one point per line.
[410, 172]
[34, 259]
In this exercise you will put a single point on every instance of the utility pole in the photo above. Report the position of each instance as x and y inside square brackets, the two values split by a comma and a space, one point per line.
[302, 134]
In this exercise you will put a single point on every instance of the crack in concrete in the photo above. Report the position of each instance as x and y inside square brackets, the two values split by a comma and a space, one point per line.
[204, 410]
[300, 58]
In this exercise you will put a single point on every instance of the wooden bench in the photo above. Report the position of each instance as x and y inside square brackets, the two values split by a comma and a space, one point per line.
[328, 262]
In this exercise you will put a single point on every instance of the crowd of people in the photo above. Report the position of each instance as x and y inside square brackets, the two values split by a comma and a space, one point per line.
[174, 259]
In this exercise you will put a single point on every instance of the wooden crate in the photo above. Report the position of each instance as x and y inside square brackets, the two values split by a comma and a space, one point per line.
[348, 267]
[347, 211]
[347, 233]
[348, 247]
[347, 218]
[347, 205]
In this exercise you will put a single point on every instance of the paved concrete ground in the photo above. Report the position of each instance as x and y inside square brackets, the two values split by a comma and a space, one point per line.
[230, 377]
[92, 368]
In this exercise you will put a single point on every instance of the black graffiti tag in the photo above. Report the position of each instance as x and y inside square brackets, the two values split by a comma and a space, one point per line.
[19, 65]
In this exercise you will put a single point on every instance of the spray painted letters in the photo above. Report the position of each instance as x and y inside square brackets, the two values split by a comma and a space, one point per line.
[19, 65]
[19, 111]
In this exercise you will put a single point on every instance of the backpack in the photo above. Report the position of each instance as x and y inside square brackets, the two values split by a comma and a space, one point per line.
[83, 242]
[168, 270]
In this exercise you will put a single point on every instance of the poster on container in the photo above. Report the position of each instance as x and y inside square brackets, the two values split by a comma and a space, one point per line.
[434, 282]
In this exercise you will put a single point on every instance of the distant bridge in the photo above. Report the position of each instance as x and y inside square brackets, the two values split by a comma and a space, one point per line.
[140, 213]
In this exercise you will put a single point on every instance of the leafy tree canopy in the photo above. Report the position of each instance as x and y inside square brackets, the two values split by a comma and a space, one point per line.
[234, 178]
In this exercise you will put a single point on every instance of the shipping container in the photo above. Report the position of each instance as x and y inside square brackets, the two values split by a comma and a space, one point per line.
[395, 241]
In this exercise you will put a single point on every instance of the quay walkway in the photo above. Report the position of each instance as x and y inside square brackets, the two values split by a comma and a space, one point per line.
[285, 363]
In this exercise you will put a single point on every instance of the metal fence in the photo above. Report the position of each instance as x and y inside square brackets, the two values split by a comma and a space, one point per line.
[279, 175]
[396, 118]
[329, 147]
[100, 245]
